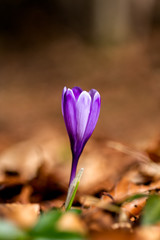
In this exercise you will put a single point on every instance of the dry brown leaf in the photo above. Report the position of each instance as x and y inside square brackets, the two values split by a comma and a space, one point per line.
[23, 158]
[71, 222]
[10, 187]
[113, 235]
[150, 170]
[105, 166]
[55, 203]
[141, 156]
[148, 233]
[87, 200]
[25, 194]
[153, 150]
[126, 188]
[134, 207]
[96, 219]
[24, 215]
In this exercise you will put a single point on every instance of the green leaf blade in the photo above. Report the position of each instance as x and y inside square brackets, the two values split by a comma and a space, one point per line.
[73, 189]
[46, 224]
[151, 212]
[8, 231]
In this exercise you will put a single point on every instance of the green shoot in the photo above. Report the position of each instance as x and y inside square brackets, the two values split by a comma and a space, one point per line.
[73, 189]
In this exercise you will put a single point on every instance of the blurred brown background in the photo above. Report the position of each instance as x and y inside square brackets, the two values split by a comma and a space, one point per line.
[113, 46]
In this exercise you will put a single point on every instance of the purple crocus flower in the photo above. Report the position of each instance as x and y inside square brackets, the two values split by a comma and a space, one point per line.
[80, 110]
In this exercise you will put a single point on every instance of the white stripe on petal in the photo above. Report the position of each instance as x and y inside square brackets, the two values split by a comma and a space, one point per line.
[83, 106]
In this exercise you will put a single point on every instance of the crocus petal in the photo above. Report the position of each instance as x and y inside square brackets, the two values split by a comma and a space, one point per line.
[69, 105]
[92, 93]
[62, 103]
[83, 106]
[93, 117]
[77, 91]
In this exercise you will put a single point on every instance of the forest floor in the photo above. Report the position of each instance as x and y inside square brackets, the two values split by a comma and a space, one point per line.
[122, 158]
